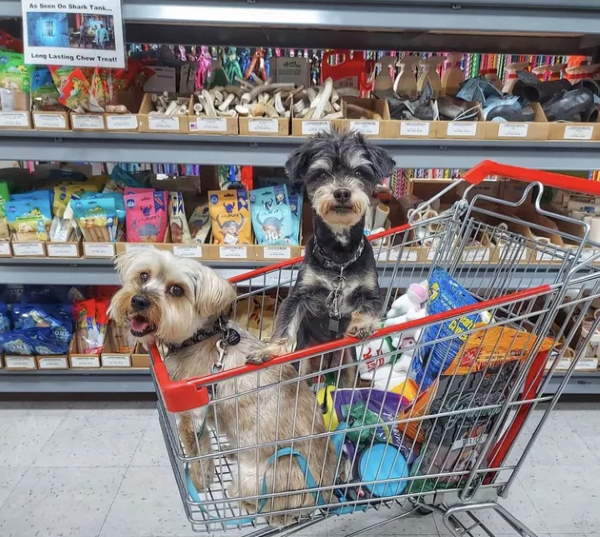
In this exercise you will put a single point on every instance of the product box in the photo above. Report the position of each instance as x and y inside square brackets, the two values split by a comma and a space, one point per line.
[210, 125]
[28, 248]
[538, 129]
[53, 362]
[19, 363]
[19, 117]
[460, 130]
[64, 249]
[79, 360]
[574, 131]
[5, 248]
[372, 128]
[51, 121]
[125, 122]
[154, 122]
[140, 357]
[264, 126]
[290, 70]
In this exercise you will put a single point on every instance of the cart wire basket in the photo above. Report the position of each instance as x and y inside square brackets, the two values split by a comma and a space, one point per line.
[432, 413]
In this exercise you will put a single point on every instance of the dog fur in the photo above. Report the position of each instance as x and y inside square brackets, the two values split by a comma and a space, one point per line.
[339, 172]
[282, 411]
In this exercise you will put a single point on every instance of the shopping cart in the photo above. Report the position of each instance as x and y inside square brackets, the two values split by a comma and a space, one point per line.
[451, 441]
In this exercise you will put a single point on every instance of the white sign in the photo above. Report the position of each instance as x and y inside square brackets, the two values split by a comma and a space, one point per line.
[461, 128]
[313, 127]
[368, 127]
[512, 130]
[86, 34]
[187, 250]
[209, 124]
[263, 125]
[414, 128]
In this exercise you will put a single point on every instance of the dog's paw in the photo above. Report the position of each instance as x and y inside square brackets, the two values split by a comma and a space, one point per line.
[361, 326]
[201, 473]
[267, 353]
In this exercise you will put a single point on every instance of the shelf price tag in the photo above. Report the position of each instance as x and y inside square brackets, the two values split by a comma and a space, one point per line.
[461, 128]
[84, 361]
[47, 120]
[137, 246]
[62, 250]
[578, 132]
[277, 252]
[313, 127]
[187, 250]
[87, 121]
[233, 252]
[28, 249]
[116, 360]
[365, 126]
[14, 119]
[99, 249]
[5, 248]
[208, 124]
[122, 122]
[52, 362]
[19, 362]
[512, 130]
[270, 125]
[163, 123]
[414, 128]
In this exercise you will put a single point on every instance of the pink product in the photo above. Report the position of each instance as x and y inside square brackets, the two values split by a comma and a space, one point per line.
[146, 216]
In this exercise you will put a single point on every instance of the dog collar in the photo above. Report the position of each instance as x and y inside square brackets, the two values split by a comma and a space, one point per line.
[229, 335]
[329, 263]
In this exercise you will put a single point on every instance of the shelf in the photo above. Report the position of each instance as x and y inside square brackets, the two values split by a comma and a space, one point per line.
[77, 381]
[273, 151]
[50, 271]
[467, 25]
[140, 381]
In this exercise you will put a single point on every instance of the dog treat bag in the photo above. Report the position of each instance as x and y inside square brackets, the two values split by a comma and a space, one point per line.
[178, 224]
[146, 216]
[230, 216]
[272, 218]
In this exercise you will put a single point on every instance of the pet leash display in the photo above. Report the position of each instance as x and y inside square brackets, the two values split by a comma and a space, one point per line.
[333, 299]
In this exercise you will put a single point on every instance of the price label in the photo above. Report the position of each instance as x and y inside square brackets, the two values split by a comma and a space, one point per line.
[84, 361]
[277, 252]
[162, 123]
[233, 252]
[62, 250]
[209, 124]
[5, 248]
[512, 130]
[476, 255]
[414, 128]
[587, 363]
[137, 246]
[461, 128]
[14, 119]
[578, 132]
[122, 122]
[20, 362]
[263, 125]
[28, 248]
[187, 251]
[49, 121]
[313, 127]
[367, 127]
[53, 362]
[99, 249]
[116, 360]
[87, 121]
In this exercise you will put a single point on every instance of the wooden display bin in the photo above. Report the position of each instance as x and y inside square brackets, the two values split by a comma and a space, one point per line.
[574, 131]
[538, 129]
[373, 128]
[154, 122]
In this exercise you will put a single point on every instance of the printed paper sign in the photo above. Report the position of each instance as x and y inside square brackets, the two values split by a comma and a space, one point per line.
[85, 33]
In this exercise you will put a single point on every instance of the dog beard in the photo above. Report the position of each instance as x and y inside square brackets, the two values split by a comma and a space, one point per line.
[337, 214]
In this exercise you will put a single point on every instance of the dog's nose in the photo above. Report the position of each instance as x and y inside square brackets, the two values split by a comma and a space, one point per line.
[342, 195]
[139, 302]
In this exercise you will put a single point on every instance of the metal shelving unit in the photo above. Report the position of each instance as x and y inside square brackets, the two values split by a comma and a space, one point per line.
[273, 151]
[517, 26]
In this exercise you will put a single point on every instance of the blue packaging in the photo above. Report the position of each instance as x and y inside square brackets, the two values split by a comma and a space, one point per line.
[445, 294]
[272, 218]
[4, 318]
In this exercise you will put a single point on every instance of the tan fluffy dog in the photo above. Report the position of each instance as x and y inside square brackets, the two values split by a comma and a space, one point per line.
[169, 300]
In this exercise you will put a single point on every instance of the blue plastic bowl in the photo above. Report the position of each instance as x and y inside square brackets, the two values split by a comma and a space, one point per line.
[383, 461]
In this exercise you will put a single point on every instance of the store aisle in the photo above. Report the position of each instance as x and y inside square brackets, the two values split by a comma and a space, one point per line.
[100, 469]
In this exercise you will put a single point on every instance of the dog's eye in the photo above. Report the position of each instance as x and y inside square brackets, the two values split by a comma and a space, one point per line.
[144, 276]
[175, 290]
[358, 174]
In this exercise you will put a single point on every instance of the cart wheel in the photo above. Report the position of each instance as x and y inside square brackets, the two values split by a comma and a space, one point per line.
[423, 511]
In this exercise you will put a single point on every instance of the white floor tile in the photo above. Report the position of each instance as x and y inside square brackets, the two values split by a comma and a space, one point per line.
[147, 504]
[9, 477]
[23, 437]
[93, 440]
[66, 502]
[151, 450]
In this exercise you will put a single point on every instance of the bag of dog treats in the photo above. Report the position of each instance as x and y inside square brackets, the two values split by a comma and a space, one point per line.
[4, 197]
[272, 218]
[29, 215]
[180, 232]
[230, 215]
[200, 223]
[146, 216]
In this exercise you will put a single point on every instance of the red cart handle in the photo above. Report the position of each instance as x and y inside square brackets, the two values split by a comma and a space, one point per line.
[557, 180]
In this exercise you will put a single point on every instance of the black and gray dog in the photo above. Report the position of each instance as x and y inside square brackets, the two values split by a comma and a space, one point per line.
[336, 292]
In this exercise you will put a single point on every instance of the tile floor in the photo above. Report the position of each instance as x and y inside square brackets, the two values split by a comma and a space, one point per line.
[91, 469]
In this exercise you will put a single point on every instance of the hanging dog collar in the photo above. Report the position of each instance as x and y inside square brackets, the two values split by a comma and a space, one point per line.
[229, 335]
[334, 297]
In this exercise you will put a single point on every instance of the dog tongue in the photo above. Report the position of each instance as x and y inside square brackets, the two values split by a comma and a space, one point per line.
[139, 323]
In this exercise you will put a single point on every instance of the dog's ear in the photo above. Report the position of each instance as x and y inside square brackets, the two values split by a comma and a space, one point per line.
[383, 164]
[123, 263]
[214, 295]
[298, 162]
